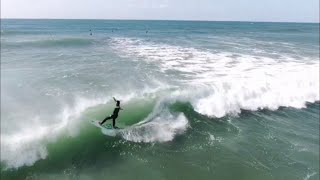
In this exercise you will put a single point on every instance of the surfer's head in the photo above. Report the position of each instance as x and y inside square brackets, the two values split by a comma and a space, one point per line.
[118, 103]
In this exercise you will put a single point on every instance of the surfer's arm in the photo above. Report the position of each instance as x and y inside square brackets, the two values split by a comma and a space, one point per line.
[114, 99]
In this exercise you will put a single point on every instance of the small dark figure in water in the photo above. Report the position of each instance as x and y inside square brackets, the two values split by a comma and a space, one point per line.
[90, 32]
[114, 115]
[146, 32]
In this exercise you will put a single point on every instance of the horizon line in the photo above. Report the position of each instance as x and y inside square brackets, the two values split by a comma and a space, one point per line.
[196, 20]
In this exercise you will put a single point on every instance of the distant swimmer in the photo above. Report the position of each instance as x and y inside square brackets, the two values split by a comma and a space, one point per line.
[114, 115]
[146, 32]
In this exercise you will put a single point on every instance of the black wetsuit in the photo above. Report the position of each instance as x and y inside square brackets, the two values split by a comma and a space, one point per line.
[113, 116]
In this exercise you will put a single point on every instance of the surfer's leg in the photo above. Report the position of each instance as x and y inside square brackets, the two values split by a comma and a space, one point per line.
[109, 117]
[114, 122]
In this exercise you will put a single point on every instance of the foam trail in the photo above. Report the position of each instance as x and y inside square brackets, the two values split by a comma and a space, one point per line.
[159, 126]
[160, 129]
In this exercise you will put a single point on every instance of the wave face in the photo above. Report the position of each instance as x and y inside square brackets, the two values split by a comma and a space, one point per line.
[194, 94]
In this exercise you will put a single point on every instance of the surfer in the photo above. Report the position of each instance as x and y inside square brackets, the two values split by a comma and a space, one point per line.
[114, 115]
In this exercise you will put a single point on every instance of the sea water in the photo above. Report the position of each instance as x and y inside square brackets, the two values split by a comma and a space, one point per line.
[201, 100]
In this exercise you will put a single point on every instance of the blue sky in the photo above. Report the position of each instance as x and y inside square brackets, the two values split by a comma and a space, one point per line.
[219, 10]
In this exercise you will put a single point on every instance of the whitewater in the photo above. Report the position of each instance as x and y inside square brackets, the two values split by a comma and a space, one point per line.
[246, 91]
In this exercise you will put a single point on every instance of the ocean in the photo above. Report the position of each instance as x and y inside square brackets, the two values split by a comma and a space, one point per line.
[201, 100]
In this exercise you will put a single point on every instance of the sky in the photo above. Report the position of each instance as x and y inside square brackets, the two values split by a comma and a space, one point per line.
[212, 10]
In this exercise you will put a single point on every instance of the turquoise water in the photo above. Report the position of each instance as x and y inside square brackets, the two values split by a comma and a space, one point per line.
[205, 100]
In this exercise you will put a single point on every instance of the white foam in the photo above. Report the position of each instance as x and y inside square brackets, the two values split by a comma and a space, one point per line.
[290, 85]
[309, 175]
[223, 83]
[23, 148]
